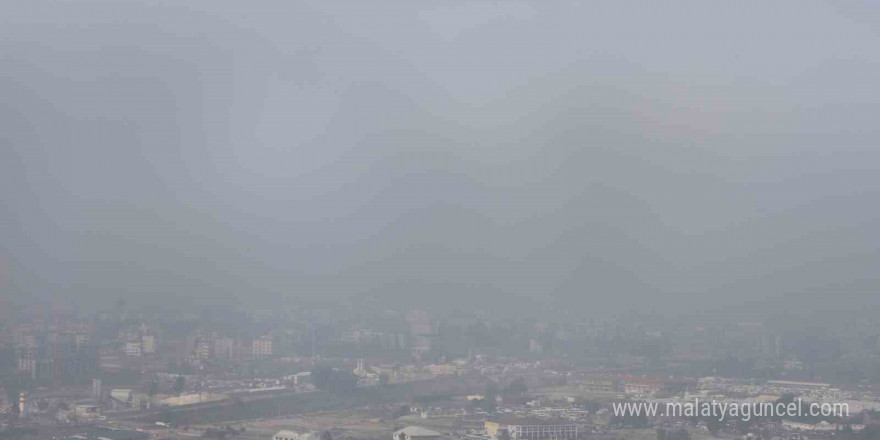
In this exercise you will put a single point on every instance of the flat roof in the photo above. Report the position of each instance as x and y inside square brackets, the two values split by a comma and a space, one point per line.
[418, 431]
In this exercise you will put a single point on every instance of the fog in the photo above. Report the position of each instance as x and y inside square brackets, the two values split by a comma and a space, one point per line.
[602, 155]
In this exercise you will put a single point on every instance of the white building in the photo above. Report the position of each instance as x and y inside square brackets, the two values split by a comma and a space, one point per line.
[224, 348]
[132, 348]
[286, 434]
[415, 433]
[822, 426]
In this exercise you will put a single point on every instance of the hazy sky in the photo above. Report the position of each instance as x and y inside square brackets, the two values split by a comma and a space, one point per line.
[613, 154]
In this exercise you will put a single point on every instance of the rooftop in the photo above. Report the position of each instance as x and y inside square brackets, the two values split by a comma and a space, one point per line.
[417, 431]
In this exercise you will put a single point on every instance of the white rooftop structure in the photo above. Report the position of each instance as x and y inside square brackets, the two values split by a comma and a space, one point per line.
[286, 434]
[415, 432]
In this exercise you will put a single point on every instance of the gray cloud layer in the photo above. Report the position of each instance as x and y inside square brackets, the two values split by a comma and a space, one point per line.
[688, 155]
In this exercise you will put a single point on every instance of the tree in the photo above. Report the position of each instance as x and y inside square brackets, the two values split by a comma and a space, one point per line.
[165, 415]
[590, 405]
[179, 384]
[402, 411]
[714, 425]
[152, 390]
[153, 387]
[680, 434]
[214, 433]
[344, 381]
[321, 377]
[489, 395]
[518, 386]
[336, 381]
[16, 411]
[13, 388]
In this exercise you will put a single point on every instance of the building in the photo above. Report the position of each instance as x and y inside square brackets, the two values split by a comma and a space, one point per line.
[534, 429]
[189, 399]
[302, 378]
[8, 361]
[203, 349]
[97, 392]
[420, 322]
[122, 398]
[415, 433]
[601, 384]
[57, 358]
[148, 343]
[27, 353]
[535, 346]
[822, 426]
[642, 385]
[104, 433]
[262, 347]
[422, 330]
[87, 411]
[224, 348]
[132, 349]
[286, 434]
[797, 386]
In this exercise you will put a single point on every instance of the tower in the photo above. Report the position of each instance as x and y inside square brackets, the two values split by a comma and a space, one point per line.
[96, 390]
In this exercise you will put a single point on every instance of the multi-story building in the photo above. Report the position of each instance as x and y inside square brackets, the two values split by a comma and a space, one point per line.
[8, 364]
[601, 384]
[535, 346]
[532, 429]
[26, 352]
[262, 347]
[224, 348]
[148, 343]
[57, 358]
[97, 390]
[203, 349]
[642, 385]
[394, 341]
[422, 330]
[132, 348]
[420, 322]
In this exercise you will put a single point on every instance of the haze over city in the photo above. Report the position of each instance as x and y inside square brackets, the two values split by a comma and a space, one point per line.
[675, 156]
[422, 218]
